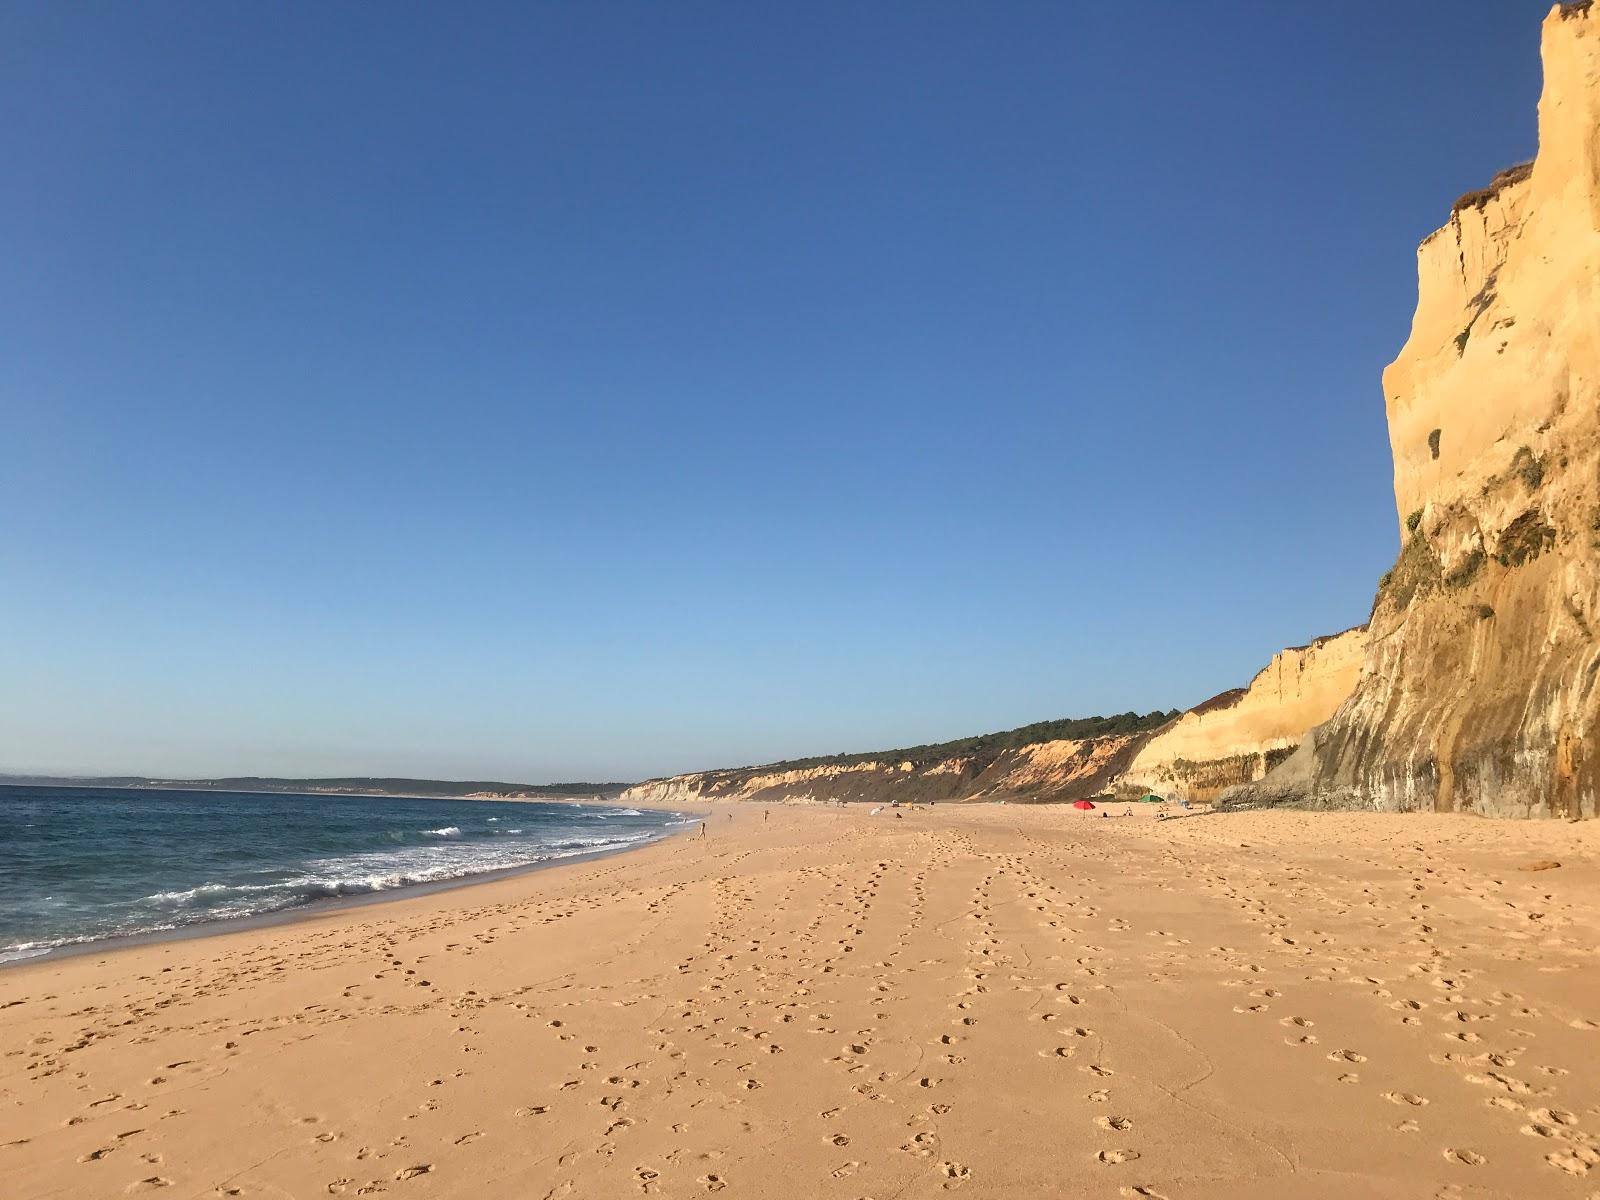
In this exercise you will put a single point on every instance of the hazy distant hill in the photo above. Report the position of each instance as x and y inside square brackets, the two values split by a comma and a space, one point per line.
[353, 786]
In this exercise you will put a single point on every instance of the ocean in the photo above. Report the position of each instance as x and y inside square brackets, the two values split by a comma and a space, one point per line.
[80, 865]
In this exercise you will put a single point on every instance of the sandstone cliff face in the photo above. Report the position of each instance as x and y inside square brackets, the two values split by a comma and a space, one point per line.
[1479, 688]
[1239, 736]
[1058, 770]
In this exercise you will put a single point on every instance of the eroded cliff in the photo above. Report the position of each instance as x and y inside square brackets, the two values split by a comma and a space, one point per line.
[1475, 685]
[1058, 769]
[1239, 736]
[1478, 692]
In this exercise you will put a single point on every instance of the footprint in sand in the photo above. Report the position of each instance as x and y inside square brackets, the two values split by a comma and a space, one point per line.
[1468, 1158]
[1553, 1116]
[954, 1174]
[1405, 1098]
[1113, 1157]
[1580, 1160]
[1120, 1124]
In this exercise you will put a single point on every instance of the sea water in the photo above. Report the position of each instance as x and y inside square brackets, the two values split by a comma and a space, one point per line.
[83, 864]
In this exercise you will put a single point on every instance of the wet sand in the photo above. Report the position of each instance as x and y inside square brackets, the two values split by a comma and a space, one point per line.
[995, 1000]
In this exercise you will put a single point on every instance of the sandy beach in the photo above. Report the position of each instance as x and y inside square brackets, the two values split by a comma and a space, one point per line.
[995, 1000]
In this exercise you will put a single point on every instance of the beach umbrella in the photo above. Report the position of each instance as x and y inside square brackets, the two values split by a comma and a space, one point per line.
[1152, 798]
[1083, 804]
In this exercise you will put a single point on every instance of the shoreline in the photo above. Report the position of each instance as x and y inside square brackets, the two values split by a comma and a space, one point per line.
[324, 906]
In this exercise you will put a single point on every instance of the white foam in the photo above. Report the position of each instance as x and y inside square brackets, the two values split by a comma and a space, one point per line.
[441, 855]
[194, 893]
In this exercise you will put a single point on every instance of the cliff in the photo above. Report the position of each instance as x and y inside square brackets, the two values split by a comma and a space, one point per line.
[1020, 765]
[1475, 685]
[1478, 690]
[1239, 736]
[1233, 738]
[1230, 739]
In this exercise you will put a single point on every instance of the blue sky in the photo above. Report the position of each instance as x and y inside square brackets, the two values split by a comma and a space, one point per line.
[599, 390]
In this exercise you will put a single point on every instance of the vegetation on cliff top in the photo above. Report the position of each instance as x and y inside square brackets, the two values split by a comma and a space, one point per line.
[1508, 177]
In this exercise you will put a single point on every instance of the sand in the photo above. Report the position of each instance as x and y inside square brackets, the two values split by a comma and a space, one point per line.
[993, 1000]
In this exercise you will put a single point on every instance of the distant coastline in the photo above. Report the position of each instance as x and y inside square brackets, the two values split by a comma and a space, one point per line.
[353, 786]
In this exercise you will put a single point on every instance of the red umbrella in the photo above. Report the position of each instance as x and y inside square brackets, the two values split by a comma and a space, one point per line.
[1083, 804]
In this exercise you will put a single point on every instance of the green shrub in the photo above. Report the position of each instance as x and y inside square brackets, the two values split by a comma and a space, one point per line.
[1467, 569]
[1525, 539]
[1416, 570]
[1529, 467]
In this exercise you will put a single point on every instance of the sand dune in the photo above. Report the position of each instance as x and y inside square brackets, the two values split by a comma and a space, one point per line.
[1000, 1001]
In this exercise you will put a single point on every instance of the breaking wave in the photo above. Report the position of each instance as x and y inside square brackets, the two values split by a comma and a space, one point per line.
[233, 862]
